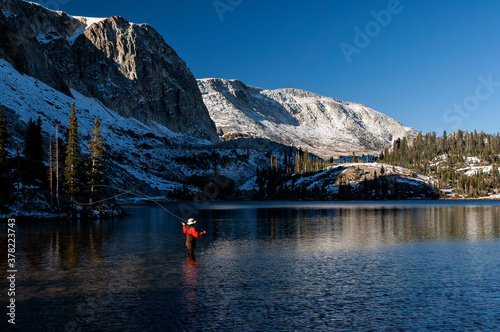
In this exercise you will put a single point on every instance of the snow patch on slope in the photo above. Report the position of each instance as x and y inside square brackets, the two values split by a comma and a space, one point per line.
[473, 170]
[31, 98]
[47, 37]
[8, 14]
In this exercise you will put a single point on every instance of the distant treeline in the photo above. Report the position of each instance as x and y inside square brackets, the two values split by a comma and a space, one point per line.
[447, 159]
[278, 182]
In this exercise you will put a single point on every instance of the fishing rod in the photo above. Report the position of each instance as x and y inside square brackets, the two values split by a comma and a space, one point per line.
[190, 241]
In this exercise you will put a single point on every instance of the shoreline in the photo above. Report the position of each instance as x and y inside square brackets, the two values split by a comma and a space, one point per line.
[54, 217]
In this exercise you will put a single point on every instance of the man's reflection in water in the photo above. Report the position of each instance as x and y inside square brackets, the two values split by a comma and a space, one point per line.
[190, 286]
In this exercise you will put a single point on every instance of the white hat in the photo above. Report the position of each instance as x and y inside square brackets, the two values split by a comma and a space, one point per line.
[191, 221]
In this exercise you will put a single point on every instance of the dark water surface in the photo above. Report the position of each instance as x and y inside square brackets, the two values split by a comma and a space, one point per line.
[262, 267]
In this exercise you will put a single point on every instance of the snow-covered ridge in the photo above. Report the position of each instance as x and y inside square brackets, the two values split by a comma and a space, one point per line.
[46, 37]
[39, 5]
[86, 22]
[89, 20]
[321, 125]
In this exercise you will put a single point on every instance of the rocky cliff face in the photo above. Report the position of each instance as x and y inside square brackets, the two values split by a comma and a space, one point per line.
[126, 66]
[324, 126]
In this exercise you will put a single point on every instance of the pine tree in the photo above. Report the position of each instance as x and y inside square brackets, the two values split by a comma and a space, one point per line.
[305, 162]
[71, 176]
[5, 179]
[297, 163]
[59, 155]
[33, 147]
[381, 156]
[495, 176]
[51, 175]
[96, 166]
[33, 153]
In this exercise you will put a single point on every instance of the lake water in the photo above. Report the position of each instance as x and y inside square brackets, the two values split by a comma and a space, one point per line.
[264, 266]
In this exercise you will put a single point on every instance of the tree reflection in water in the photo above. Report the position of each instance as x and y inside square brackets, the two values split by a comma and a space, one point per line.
[259, 263]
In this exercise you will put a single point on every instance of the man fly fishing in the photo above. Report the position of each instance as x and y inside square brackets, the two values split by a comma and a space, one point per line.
[191, 235]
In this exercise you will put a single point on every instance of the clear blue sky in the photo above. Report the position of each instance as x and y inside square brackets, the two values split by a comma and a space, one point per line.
[432, 65]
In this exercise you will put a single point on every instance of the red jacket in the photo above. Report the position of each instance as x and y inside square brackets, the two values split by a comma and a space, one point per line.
[192, 231]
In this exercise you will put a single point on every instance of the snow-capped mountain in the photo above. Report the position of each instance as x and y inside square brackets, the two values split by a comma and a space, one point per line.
[152, 115]
[128, 67]
[158, 132]
[149, 159]
[321, 125]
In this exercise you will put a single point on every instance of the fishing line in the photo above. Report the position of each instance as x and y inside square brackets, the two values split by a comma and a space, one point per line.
[129, 192]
